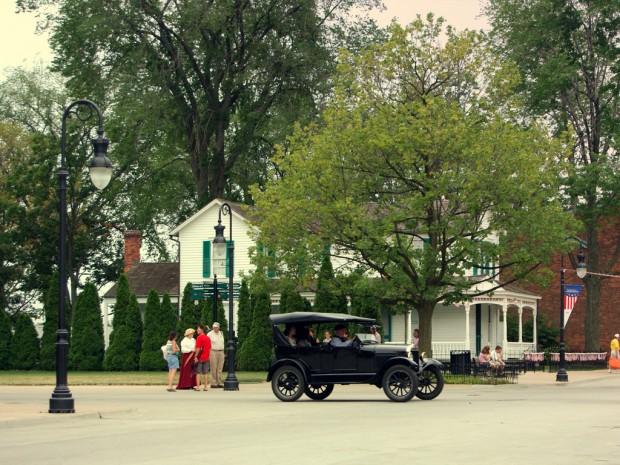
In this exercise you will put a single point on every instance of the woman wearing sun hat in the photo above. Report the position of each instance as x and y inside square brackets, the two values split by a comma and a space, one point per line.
[188, 344]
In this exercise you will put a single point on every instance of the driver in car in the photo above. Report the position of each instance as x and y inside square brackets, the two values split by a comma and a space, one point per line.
[340, 339]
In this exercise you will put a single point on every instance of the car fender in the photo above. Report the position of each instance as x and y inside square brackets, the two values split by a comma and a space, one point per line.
[432, 361]
[288, 361]
[395, 361]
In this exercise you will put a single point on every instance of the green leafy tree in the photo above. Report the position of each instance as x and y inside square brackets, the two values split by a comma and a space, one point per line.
[48, 339]
[568, 54]
[255, 353]
[156, 331]
[244, 314]
[6, 336]
[124, 353]
[366, 300]
[422, 171]
[190, 313]
[24, 345]
[329, 297]
[86, 350]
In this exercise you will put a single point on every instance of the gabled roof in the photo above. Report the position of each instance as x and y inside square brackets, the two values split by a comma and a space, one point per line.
[142, 277]
[238, 209]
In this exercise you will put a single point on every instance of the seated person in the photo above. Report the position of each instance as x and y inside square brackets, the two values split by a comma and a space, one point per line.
[340, 339]
[484, 359]
[303, 337]
[291, 335]
[497, 361]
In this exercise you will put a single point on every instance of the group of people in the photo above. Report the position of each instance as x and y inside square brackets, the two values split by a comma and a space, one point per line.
[299, 336]
[200, 355]
[492, 360]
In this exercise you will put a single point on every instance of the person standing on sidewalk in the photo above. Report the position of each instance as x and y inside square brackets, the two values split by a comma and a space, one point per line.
[201, 357]
[614, 355]
[216, 360]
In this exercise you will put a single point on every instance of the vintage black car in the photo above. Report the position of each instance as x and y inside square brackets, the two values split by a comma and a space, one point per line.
[313, 367]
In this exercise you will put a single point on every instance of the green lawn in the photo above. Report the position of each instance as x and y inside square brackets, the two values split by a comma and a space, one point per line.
[150, 378]
[106, 378]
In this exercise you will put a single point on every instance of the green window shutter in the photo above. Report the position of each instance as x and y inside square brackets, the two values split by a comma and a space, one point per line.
[206, 259]
[270, 272]
[228, 258]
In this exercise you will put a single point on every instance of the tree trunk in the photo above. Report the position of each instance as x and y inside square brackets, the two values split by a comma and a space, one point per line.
[592, 318]
[425, 311]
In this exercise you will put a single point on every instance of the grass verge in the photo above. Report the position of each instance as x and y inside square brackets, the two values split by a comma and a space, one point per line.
[107, 378]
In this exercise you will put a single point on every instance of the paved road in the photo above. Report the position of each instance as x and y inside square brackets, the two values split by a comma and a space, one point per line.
[534, 422]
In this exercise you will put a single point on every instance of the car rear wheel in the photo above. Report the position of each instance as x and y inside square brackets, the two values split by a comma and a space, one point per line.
[400, 383]
[319, 391]
[431, 383]
[288, 383]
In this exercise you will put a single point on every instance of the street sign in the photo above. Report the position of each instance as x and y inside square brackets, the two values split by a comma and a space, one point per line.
[204, 290]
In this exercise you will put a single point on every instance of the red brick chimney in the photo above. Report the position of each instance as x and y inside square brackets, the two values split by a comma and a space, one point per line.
[133, 241]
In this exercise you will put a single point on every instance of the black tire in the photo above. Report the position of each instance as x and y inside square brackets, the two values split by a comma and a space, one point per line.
[431, 383]
[400, 383]
[319, 391]
[288, 384]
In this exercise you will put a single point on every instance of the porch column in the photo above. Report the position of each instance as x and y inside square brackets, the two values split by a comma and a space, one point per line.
[535, 325]
[505, 327]
[467, 341]
[520, 325]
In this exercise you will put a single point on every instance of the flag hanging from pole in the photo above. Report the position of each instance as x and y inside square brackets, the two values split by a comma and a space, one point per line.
[571, 292]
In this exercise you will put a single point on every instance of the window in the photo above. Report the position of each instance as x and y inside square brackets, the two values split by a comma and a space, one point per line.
[206, 259]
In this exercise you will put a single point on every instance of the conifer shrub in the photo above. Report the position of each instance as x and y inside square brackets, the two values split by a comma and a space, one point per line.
[24, 352]
[190, 313]
[255, 353]
[123, 298]
[155, 335]
[86, 350]
[124, 353]
[329, 297]
[244, 314]
[48, 339]
[6, 336]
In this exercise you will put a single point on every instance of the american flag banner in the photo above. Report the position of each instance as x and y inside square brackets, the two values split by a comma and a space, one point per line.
[571, 292]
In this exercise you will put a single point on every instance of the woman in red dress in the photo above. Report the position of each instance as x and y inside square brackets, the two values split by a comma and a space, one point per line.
[188, 344]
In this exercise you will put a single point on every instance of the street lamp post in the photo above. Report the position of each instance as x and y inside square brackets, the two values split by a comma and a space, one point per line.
[562, 375]
[100, 169]
[231, 383]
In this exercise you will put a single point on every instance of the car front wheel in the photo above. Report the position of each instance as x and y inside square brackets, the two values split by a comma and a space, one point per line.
[431, 383]
[400, 383]
[288, 383]
[319, 391]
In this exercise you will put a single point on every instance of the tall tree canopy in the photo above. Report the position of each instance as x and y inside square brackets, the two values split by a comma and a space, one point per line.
[568, 53]
[423, 169]
[205, 78]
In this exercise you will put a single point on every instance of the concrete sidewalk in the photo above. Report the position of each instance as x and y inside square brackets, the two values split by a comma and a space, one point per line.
[17, 406]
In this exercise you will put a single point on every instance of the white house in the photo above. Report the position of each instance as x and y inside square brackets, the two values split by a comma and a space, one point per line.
[468, 326]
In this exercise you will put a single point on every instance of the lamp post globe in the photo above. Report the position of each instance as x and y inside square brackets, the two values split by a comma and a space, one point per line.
[61, 400]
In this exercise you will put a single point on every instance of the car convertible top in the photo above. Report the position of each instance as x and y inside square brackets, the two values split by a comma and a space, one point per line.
[316, 317]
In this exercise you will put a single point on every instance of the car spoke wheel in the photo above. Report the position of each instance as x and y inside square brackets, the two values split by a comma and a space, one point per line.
[431, 383]
[319, 391]
[288, 383]
[400, 383]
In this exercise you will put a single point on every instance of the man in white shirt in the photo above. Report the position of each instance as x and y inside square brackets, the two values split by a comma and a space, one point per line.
[375, 333]
[217, 355]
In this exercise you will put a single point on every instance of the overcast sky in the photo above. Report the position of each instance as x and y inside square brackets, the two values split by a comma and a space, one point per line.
[21, 46]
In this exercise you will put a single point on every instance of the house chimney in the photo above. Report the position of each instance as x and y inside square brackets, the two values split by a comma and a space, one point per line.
[133, 241]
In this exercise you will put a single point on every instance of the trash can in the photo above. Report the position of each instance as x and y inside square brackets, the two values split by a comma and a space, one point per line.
[460, 362]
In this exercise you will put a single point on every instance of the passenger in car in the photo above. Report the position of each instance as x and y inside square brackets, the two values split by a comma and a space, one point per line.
[340, 338]
[291, 335]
